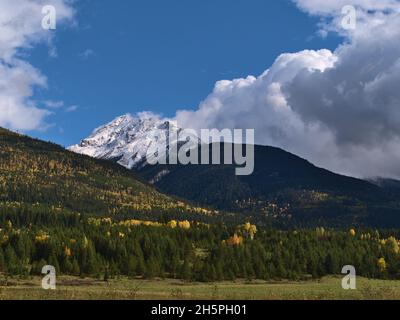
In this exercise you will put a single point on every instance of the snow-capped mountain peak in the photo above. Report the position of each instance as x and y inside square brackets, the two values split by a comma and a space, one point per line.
[127, 139]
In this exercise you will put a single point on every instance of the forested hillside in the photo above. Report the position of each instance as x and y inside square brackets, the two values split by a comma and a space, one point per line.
[283, 188]
[39, 176]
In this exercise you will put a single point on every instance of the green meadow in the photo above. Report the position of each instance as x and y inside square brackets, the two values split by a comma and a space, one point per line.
[72, 288]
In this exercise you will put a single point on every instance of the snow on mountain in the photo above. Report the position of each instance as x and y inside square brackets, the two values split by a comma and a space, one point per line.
[127, 139]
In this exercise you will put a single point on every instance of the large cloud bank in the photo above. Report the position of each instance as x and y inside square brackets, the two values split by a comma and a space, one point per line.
[340, 110]
[21, 28]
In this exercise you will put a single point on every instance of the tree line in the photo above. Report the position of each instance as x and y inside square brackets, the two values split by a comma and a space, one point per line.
[108, 247]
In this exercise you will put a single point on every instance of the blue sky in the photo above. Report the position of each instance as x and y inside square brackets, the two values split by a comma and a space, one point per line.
[129, 56]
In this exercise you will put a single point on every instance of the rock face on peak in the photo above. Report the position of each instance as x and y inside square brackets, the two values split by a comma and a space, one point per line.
[127, 139]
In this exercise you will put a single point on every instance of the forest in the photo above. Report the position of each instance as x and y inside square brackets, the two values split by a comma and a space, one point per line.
[89, 217]
[104, 248]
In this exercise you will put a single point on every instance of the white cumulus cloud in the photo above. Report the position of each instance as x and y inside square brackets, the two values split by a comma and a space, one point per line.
[21, 28]
[340, 110]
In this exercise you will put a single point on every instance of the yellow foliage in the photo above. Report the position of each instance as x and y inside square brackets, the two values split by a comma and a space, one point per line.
[235, 240]
[172, 224]
[382, 264]
[67, 251]
[131, 223]
[249, 230]
[184, 224]
[247, 226]
[152, 224]
[393, 243]
[94, 222]
[366, 236]
[42, 237]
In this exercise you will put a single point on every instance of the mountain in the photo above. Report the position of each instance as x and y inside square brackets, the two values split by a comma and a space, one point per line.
[390, 185]
[127, 139]
[36, 175]
[282, 188]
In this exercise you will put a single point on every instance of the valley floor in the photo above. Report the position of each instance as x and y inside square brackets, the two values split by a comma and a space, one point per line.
[71, 288]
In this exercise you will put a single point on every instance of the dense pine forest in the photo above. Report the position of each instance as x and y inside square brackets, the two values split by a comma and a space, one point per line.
[94, 218]
[104, 248]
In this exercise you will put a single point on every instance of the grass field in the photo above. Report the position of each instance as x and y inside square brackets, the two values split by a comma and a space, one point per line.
[87, 289]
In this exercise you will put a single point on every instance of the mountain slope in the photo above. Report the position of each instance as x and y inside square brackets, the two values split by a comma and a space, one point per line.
[36, 173]
[282, 186]
[390, 185]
